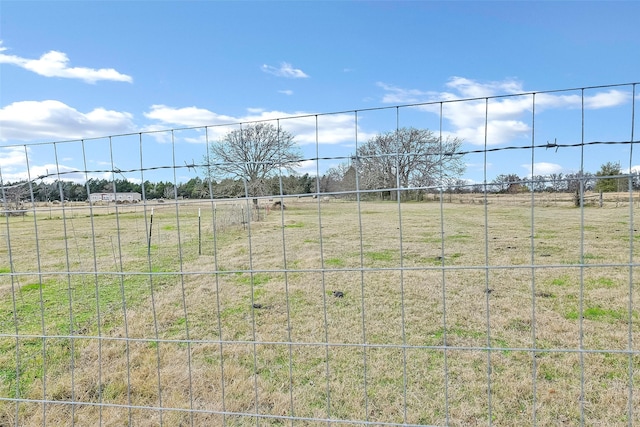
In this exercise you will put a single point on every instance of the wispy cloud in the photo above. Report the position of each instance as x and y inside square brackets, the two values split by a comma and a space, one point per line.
[396, 95]
[54, 120]
[543, 168]
[284, 70]
[287, 92]
[56, 64]
[333, 128]
[13, 161]
[467, 88]
[481, 119]
[187, 116]
[610, 98]
[12, 157]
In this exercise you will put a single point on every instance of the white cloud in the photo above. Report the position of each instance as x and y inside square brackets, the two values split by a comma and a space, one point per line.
[50, 171]
[285, 70]
[468, 117]
[468, 105]
[56, 64]
[310, 167]
[332, 128]
[634, 169]
[13, 162]
[286, 92]
[611, 98]
[468, 88]
[498, 132]
[54, 120]
[396, 95]
[10, 158]
[542, 168]
[186, 116]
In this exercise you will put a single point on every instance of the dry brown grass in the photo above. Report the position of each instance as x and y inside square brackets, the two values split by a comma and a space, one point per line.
[195, 341]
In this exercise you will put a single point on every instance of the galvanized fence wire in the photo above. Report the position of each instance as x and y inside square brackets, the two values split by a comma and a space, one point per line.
[534, 367]
[170, 335]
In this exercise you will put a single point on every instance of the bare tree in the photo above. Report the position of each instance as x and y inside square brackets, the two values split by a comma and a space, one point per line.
[13, 195]
[408, 157]
[558, 182]
[338, 178]
[253, 153]
[503, 182]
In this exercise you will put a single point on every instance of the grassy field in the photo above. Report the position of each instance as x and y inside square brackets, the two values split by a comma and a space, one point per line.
[460, 313]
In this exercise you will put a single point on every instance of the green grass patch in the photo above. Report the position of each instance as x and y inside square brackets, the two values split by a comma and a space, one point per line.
[258, 279]
[600, 314]
[295, 225]
[228, 312]
[161, 268]
[31, 287]
[548, 372]
[436, 337]
[386, 255]
[48, 306]
[545, 234]
[438, 260]
[602, 282]
[259, 293]
[334, 262]
[501, 343]
[561, 281]
[433, 240]
[466, 333]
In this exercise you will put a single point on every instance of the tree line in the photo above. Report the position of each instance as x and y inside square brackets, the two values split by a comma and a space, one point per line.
[195, 188]
[404, 158]
[609, 178]
[261, 160]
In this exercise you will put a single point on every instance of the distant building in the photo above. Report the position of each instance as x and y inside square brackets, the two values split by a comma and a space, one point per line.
[117, 197]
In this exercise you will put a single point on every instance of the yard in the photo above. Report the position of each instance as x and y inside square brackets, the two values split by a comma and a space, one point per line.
[422, 313]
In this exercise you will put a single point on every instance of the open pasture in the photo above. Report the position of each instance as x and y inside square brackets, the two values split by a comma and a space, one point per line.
[418, 313]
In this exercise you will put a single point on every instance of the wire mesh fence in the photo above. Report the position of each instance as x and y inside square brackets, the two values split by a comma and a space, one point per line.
[364, 302]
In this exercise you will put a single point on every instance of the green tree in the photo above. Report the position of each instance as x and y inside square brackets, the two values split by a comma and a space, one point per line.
[293, 184]
[229, 188]
[195, 188]
[97, 185]
[608, 178]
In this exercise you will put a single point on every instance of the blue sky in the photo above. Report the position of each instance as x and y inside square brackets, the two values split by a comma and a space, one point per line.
[73, 70]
